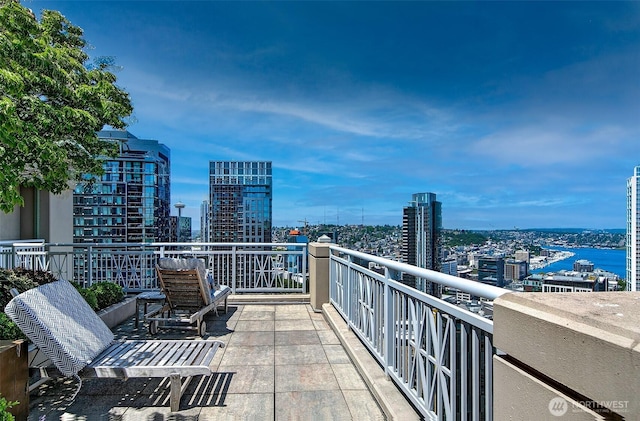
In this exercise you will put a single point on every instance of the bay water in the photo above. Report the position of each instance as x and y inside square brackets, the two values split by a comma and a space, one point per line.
[611, 260]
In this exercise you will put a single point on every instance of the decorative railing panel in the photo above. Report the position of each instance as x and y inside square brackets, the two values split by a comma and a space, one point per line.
[439, 355]
[245, 267]
[251, 267]
[26, 254]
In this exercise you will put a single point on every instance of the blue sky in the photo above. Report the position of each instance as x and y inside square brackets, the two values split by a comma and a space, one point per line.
[516, 114]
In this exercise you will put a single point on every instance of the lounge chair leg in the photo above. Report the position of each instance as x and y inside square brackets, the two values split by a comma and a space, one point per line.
[176, 392]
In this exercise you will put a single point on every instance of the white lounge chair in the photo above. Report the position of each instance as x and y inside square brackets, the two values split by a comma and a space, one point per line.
[58, 320]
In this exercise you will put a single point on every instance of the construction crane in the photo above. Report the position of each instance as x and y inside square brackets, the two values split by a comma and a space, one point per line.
[305, 231]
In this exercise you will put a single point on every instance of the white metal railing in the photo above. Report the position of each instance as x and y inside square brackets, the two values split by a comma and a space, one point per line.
[438, 354]
[245, 267]
[29, 254]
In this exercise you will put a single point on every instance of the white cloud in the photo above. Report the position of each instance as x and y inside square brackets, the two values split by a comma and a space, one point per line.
[374, 112]
[552, 143]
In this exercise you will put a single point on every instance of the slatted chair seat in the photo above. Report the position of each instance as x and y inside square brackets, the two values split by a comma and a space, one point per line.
[189, 295]
[58, 320]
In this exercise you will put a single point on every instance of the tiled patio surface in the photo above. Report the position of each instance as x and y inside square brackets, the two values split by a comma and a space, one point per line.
[281, 362]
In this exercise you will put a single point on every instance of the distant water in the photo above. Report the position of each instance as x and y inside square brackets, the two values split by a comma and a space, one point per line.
[605, 259]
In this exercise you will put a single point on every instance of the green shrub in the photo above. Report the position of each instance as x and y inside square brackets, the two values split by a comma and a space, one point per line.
[88, 295]
[100, 295]
[40, 277]
[107, 293]
[10, 279]
[8, 329]
[5, 415]
[22, 280]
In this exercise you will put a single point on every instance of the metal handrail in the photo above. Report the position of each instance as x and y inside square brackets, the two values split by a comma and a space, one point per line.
[438, 354]
[476, 288]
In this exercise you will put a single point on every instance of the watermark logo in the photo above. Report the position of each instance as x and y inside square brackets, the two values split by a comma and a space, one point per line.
[558, 406]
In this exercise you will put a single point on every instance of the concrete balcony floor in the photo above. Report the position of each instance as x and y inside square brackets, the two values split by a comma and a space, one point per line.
[281, 362]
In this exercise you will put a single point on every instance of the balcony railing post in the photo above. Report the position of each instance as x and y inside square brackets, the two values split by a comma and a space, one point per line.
[319, 256]
[234, 262]
[488, 378]
[348, 303]
[305, 253]
[388, 323]
[15, 256]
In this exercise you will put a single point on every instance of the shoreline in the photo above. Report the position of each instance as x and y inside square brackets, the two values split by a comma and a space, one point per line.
[542, 262]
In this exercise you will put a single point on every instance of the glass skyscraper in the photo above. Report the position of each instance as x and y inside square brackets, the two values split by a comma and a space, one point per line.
[240, 199]
[130, 202]
[633, 231]
[204, 221]
[421, 231]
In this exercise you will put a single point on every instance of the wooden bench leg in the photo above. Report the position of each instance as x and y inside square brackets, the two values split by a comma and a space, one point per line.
[217, 304]
[176, 392]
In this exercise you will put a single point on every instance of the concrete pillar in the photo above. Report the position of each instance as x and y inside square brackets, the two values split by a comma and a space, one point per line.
[567, 356]
[319, 274]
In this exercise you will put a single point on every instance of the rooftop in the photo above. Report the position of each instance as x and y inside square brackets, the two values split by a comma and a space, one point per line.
[378, 348]
[280, 362]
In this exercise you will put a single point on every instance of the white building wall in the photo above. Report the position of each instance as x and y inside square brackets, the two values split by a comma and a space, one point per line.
[55, 216]
[10, 225]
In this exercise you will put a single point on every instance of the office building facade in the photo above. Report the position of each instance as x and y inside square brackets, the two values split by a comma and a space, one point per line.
[582, 265]
[515, 270]
[130, 202]
[491, 270]
[204, 221]
[180, 229]
[633, 231]
[421, 238]
[240, 201]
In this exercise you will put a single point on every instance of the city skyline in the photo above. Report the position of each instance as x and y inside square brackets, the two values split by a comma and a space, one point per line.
[516, 114]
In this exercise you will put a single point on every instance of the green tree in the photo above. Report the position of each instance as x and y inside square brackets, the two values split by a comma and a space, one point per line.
[52, 104]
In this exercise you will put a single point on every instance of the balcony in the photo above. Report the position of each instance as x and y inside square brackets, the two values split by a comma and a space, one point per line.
[365, 346]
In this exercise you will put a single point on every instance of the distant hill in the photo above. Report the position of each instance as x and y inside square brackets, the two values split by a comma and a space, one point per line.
[462, 238]
[575, 230]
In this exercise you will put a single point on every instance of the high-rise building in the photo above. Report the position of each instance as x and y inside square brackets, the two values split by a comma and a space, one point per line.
[180, 229]
[204, 221]
[130, 202]
[240, 198]
[491, 270]
[515, 270]
[633, 231]
[421, 231]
